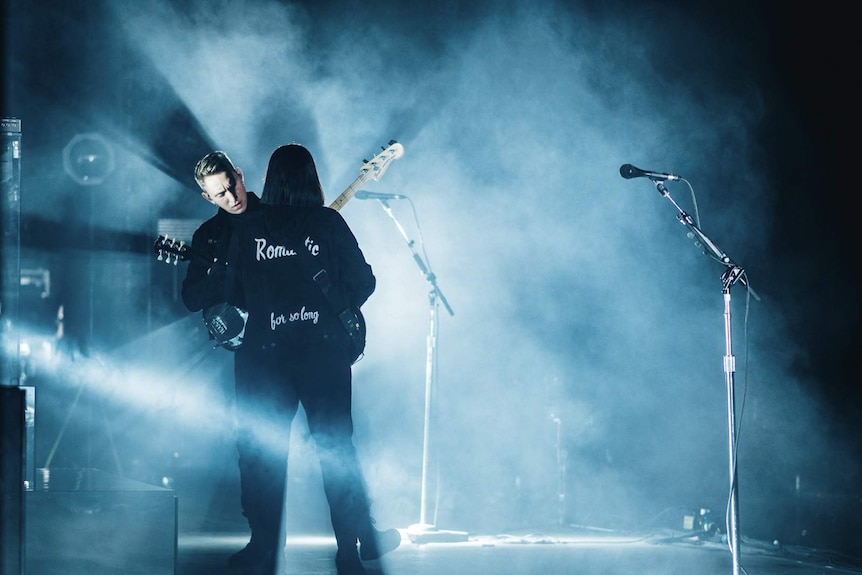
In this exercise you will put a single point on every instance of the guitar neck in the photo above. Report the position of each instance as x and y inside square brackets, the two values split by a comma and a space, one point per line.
[347, 194]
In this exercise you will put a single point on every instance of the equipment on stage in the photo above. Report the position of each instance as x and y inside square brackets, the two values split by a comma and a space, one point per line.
[732, 275]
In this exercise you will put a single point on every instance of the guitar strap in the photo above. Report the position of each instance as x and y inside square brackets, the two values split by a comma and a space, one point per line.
[346, 315]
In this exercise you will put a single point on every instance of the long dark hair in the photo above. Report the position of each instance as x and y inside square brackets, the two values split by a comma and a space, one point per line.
[291, 178]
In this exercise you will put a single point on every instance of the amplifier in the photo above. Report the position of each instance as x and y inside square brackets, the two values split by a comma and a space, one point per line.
[89, 521]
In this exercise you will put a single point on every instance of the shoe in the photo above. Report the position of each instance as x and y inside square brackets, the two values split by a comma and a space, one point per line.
[253, 559]
[349, 563]
[380, 543]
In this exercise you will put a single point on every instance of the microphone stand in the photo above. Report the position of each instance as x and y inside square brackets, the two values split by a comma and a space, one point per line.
[733, 274]
[425, 532]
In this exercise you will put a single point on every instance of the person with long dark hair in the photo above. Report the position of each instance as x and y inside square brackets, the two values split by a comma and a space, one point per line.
[298, 270]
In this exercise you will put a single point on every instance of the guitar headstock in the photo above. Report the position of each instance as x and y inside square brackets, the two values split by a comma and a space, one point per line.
[372, 169]
[170, 251]
[375, 168]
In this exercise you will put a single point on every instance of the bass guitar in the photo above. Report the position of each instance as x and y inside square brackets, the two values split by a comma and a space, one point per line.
[225, 323]
[351, 317]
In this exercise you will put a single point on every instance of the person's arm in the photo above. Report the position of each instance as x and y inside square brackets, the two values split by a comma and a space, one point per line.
[203, 285]
[355, 274]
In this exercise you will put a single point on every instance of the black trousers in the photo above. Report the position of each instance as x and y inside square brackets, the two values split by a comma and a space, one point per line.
[270, 385]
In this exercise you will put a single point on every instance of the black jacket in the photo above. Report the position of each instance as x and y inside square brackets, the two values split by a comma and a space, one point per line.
[277, 250]
[203, 286]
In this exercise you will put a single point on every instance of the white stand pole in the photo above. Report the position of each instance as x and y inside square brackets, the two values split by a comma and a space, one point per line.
[425, 531]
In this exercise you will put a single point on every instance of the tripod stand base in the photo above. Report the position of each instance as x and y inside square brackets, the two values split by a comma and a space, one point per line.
[420, 533]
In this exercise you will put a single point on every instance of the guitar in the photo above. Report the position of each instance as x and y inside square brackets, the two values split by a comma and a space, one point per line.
[351, 317]
[171, 251]
[223, 323]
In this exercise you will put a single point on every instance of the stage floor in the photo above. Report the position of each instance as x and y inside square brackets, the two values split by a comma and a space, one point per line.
[91, 523]
[574, 551]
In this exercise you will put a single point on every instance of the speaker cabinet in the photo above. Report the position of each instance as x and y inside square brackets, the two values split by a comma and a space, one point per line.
[94, 523]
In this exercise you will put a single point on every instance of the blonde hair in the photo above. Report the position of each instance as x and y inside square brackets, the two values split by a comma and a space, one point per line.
[213, 163]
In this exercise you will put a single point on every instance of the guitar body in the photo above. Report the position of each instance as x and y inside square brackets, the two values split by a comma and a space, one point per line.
[226, 324]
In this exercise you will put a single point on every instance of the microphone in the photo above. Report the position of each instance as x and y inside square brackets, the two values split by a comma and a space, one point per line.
[366, 195]
[628, 171]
